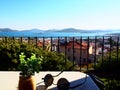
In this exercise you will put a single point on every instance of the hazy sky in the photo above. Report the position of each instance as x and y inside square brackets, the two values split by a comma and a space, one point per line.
[59, 14]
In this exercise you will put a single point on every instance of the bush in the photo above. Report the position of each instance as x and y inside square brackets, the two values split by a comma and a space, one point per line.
[10, 50]
[111, 84]
[110, 66]
[54, 61]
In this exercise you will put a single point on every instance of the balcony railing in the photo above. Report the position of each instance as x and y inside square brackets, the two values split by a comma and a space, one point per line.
[85, 52]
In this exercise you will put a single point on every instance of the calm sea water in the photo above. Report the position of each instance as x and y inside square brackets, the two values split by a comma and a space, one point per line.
[56, 34]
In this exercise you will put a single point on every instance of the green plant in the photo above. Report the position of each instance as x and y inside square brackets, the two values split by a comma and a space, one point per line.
[28, 66]
[111, 84]
[10, 51]
[54, 61]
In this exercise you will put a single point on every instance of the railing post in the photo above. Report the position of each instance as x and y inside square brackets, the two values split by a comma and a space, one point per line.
[51, 43]
[36, 41]
[65, 48]
[43, 42]
[73, 51]
[6, 39]
[13, 38]
[28, 40]
[21, 39]
[95, 52]
[110, 48]
[117, 48]
[102, 48]
[58, 45]
[87, 52]
[80, 53]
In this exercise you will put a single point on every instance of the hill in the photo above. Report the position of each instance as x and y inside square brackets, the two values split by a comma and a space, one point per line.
[7, 30]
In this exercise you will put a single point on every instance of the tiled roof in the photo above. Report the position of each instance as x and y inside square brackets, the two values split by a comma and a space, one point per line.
[40, 44]
[76, 45]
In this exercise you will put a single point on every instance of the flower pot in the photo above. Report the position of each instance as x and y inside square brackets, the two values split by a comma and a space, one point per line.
[27, 83]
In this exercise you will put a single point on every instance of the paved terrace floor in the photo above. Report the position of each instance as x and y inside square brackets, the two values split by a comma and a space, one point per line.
[9, 80]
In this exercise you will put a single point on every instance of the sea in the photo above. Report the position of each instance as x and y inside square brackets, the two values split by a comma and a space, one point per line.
[59, 34]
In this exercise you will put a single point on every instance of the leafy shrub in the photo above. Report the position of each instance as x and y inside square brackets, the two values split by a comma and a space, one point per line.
[111, 84]
[107, 66]
[110, 66]
[54, 61]
[109, 70]
[10, 50]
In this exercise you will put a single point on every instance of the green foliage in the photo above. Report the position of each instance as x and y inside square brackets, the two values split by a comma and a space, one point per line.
[111, 84]
[54, 61]
[109, 69]
[11, 49]
[30, 65]
[9, 55]
[109, 66]
[109, 63]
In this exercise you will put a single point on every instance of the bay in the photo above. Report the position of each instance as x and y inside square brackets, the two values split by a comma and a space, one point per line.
[58, 34]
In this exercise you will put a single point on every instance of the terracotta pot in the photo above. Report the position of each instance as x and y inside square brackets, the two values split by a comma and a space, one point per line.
[27, 83]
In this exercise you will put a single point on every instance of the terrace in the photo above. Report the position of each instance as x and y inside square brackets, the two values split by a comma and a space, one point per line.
[84, 52]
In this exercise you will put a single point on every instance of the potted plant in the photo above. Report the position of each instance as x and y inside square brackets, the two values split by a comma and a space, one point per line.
[28, 67]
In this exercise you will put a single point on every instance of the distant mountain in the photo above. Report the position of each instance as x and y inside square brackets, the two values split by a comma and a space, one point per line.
[73, 30]
[11, 32]
[55, 32]
[68, 30]
[50, 30]
[32, 31]
[7, 30]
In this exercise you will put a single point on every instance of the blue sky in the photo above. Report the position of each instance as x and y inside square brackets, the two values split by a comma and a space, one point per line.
[59, 14]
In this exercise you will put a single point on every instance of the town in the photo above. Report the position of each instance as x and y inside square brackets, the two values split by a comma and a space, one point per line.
[79, 50]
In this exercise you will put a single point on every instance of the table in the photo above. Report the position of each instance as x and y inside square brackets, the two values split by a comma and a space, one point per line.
[9, 80]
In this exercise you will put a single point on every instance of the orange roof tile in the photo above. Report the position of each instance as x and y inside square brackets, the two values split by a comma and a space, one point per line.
[76, 45]
[40, 44]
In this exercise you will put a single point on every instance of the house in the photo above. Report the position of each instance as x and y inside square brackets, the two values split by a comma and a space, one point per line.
[76, 51]
[95, 48]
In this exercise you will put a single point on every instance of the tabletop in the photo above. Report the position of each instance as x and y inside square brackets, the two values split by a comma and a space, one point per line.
[9, 80]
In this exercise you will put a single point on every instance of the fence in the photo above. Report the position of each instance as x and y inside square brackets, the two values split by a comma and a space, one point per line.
[85, 52]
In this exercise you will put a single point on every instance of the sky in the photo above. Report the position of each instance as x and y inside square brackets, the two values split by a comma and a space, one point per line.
[60, 14]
